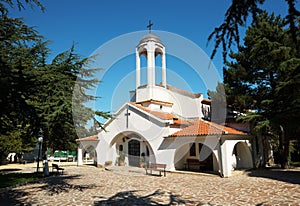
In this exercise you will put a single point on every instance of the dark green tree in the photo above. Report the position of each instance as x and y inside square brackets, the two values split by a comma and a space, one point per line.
[20, 4]
[38, 95]
[21, 50]
[237, 15]
[264, 77]
[63, 87]
[218, 104]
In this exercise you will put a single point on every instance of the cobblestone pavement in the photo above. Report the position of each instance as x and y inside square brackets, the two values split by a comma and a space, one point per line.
[87, 185]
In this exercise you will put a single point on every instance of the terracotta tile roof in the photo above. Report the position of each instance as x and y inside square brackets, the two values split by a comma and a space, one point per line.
[206, 101]
[228, 130]
[90, 138]
[163, 115]
[202, 127]
[156, 102]
[193, 128]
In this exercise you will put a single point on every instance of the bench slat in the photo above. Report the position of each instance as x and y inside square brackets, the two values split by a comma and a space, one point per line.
[157, 167]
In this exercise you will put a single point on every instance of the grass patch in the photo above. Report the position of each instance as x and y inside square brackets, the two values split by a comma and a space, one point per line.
[295, 164]
[12, 179]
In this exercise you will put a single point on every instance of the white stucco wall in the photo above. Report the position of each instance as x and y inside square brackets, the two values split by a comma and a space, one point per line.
[183, 105]
[150, 129]
[243, 157]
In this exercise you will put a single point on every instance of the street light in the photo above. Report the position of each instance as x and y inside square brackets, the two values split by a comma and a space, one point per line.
[40, 139]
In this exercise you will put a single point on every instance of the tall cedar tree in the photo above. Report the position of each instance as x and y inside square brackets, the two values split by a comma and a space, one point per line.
[63, 84]
[21, 50]
[236, 16]
[36, 95]
[264, 76]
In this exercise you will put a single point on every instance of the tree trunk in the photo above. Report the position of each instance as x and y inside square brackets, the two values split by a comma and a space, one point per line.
[2, 158]
[286, 151]
[284, 148]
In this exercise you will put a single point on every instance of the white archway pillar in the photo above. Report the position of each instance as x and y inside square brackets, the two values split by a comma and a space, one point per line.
[163, 68]
[151, 66]
[138, 68]
[226, 152]
[79, 155]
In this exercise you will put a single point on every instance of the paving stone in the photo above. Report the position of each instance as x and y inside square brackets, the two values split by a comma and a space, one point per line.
[87, 185]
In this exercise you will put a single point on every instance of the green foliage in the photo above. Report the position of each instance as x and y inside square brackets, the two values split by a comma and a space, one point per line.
[264, 77]
[21, 50]
[61, 102]
[36, 95]
[218, 105]
[20, 4]
[121, 156]
[236, 16]
[10, 142]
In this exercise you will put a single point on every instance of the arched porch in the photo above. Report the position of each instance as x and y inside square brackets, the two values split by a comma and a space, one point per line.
[196, 156]
[241, 156]
[134, 147]
[87, 149]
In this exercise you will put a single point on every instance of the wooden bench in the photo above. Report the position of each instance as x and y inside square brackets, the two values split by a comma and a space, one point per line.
[156, 167]
[55, 166]
[192, 163]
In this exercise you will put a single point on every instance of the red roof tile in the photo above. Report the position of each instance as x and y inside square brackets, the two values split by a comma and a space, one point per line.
[156, 102]
[206, 101]
[202, 127]
[194, 128]
[90, 138]
[163, 115]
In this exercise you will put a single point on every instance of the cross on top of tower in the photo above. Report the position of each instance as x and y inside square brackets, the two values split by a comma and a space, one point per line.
[149, 26]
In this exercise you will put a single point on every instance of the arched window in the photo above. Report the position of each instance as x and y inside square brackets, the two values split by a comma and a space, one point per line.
[120, 147]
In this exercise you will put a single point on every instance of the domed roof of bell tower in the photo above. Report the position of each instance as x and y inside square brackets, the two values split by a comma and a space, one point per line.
[150, 37]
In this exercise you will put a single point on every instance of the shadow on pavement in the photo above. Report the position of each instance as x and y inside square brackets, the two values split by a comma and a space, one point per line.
[59, 184]
[52, 185]
[9, 170]
[131, 198]
[289, 176]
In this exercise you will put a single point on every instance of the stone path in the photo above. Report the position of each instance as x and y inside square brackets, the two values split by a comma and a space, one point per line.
[87, 185]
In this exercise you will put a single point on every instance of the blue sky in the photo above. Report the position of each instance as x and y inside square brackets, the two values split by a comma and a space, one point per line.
[92, 23]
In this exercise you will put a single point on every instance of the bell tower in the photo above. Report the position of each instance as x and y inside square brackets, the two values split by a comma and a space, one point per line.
[150, 46]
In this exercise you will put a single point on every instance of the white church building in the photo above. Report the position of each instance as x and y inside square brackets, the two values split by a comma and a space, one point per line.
[164, 124]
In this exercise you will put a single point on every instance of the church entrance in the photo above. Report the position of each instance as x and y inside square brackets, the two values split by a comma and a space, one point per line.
[134, 153]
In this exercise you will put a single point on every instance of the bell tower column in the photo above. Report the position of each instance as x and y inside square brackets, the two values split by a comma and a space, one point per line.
[151, 63]
[138, 68]
[163, 68]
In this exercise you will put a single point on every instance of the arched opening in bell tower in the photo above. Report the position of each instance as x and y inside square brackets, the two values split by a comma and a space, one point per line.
[150, 54]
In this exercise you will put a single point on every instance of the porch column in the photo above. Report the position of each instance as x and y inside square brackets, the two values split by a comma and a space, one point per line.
[138, 69]
[79, 155]
[163, 67]
[226, 159]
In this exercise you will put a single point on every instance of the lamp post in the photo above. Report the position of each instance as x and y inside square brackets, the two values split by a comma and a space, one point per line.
[40, 139]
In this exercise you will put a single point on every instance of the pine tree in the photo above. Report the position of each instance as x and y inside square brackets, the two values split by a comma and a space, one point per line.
[21, 51]
[237, 15]
[264, 77]
[63, 87]
[36, 95]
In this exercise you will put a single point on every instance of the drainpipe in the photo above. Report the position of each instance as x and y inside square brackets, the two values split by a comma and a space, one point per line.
[221, 162]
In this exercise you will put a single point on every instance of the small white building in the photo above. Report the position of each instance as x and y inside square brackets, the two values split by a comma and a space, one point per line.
[164, 124]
